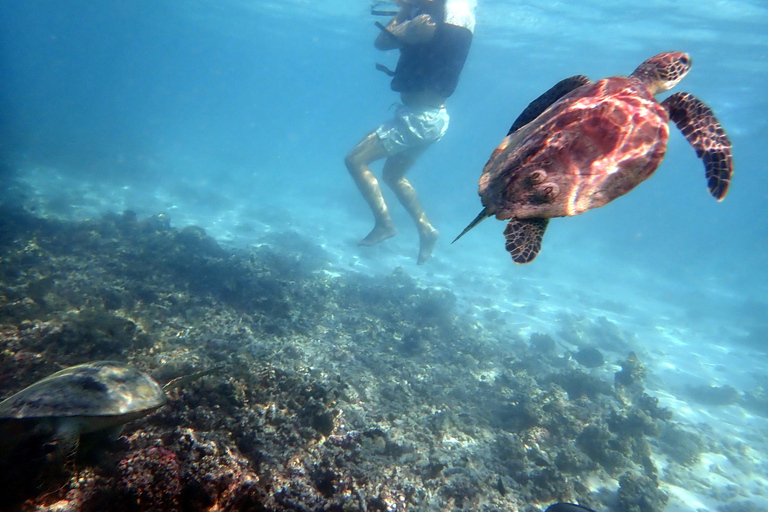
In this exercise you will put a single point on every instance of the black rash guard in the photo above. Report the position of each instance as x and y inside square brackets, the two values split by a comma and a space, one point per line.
[435, 65]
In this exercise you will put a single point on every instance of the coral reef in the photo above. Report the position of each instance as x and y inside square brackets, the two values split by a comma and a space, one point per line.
[640, 494]
[595, 332]
[681, 444]
[333, 391]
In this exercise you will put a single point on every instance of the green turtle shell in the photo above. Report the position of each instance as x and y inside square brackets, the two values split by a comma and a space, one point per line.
[100, 388]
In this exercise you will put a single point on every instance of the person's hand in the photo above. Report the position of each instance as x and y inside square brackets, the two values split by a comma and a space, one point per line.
[419, 29]
[423, 21]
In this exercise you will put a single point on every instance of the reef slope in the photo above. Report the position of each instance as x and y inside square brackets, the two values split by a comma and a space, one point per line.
[334, 391]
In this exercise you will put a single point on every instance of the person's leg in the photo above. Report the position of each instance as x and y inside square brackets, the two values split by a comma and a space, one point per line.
[368, 150]
[394, 175]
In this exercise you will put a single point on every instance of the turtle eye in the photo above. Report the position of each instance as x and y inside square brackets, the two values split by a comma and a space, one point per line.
[684, 60]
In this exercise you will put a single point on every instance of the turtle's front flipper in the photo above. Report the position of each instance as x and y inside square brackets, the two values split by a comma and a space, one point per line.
[524, 238]
[705, 133]
[542, 103]
[65, 442]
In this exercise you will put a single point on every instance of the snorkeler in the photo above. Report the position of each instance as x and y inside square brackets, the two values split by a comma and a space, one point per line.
[433, 37]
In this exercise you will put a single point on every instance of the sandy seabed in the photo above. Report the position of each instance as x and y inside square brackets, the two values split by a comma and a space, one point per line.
[341, 389]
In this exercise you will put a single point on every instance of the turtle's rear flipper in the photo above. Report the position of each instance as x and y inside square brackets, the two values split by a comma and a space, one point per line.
[524, 238]
[705, 133]
[542, 103]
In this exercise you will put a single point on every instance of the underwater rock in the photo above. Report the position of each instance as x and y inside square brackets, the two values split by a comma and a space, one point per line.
[756, 401]
[633, 422]
[317, 416]
[683, 445]
[149, 479]
[542, 343]
[609, 335]
[512, 453]
[632, 372]
[414, 342]
[23, 346]
[589, 357]
[187, 473]
[599, 444]
[628, 382]
[641, 494]
[632, 427]
[573, 461]
[580, 331]
[715, 395]
[291, 254]
[106, 334]
[461, 489]
[547, 485]
[577, 384]
[650, 404]
[19, 308]
[156, 223]
[519, 415]
[194, 238]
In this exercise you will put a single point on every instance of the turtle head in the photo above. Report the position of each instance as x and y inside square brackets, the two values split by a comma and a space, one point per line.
[662, 72]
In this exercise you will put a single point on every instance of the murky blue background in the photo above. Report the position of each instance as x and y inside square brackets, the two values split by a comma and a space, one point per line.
[236, 103]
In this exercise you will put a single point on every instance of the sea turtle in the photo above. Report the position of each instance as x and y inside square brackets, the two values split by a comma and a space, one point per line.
[100, 396]
[582, 144]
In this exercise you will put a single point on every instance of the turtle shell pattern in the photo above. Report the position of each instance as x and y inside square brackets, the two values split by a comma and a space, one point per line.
[102, 388]
[595, 144]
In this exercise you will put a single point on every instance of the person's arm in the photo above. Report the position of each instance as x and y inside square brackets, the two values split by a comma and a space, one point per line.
[402, 31]
[387, 40]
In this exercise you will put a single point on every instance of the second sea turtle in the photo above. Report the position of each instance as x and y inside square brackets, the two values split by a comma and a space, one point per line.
[95, 397]
[582, 144]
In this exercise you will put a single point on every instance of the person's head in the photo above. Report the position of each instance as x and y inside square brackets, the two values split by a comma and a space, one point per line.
[434, 7]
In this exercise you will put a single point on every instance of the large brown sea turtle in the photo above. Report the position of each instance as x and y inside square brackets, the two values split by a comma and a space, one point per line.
[582, 144]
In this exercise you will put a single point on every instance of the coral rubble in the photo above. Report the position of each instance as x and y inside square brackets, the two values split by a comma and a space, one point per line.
[336, 391]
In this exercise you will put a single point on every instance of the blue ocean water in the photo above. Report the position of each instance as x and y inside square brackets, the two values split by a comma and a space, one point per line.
[242, 101]
[236, 115]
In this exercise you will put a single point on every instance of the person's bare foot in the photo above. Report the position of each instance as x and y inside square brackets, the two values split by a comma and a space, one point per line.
[378, 234]
[427, 240]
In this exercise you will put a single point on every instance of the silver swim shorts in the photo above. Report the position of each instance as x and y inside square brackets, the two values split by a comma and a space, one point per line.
[413, 127]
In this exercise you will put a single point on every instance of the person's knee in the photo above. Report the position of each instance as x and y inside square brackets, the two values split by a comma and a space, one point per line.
[394, 174]
[392, 179]
[351, 161]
